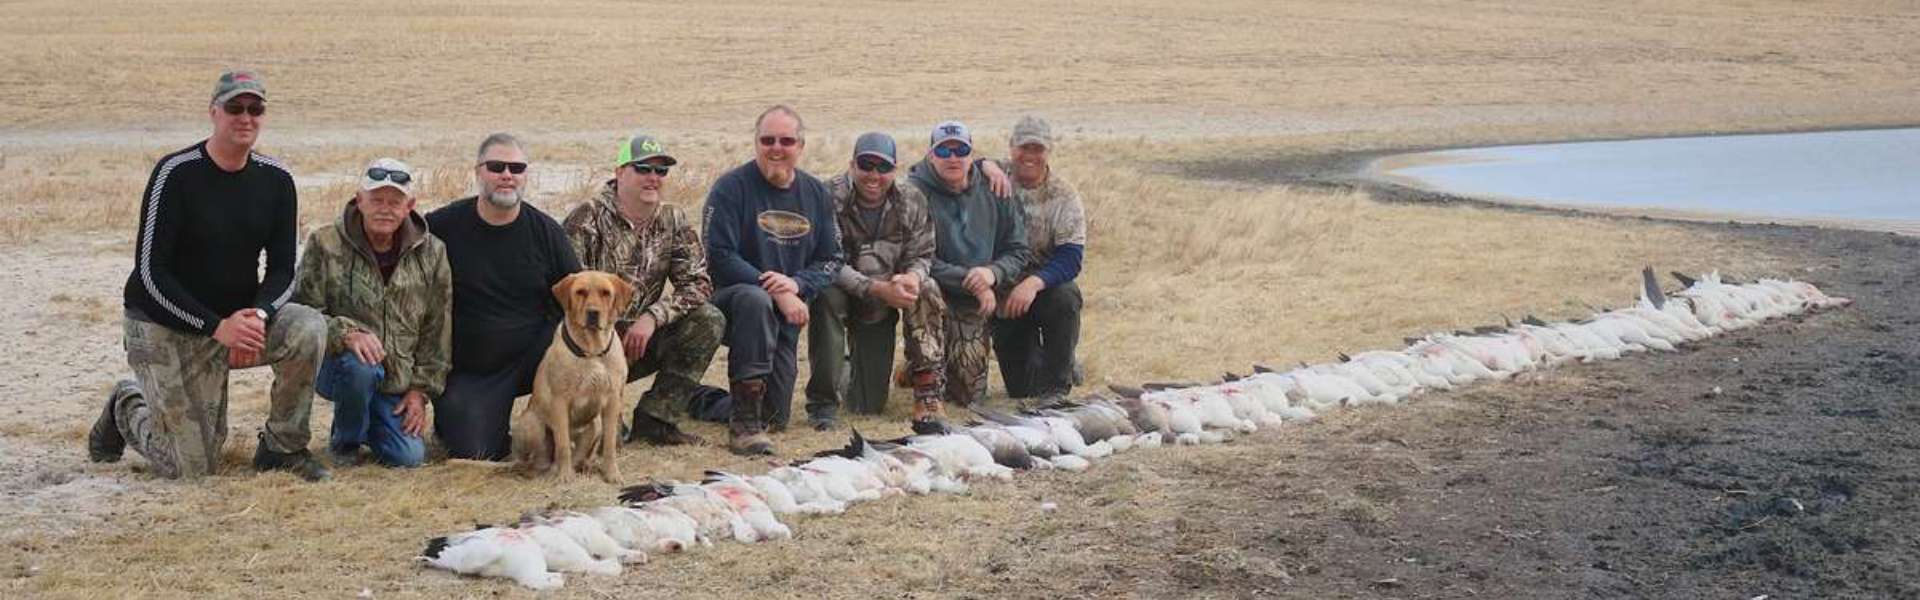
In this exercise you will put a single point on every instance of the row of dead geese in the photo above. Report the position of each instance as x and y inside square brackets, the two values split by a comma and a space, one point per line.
[673, 517]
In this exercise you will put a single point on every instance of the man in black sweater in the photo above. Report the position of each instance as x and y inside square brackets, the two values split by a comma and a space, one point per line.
[195, 306]
[506, 257]
[772, 245]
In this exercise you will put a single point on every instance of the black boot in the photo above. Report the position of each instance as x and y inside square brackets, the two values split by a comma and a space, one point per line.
[105, 444]
[659, 432]
[301, 463]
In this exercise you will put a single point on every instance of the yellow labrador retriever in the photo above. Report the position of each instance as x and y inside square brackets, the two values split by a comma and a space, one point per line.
[580, 380]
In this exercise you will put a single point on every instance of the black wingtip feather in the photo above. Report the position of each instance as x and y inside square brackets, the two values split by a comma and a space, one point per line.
[434, 547]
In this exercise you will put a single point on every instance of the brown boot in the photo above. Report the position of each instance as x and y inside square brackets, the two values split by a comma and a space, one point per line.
[746, 426]
[927, 390]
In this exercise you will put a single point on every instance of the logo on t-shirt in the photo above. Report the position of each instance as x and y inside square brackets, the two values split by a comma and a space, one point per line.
[783, 225]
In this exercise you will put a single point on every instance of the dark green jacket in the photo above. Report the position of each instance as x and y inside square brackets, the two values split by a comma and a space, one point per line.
[971, 229]
[410, 313]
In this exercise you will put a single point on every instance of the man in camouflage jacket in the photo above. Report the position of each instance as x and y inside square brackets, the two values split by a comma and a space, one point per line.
[888, 239]
[629, 231]
[382, 281]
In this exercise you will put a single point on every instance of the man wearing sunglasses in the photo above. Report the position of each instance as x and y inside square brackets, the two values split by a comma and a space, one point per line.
[631, 231]
[383, 281]
[888, 240]
[196, 306]
[772, 245]
[506, 255]
[1038, 327]
[981, 245]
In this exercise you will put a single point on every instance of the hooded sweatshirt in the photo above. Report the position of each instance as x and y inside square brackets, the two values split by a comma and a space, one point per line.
[971, 229]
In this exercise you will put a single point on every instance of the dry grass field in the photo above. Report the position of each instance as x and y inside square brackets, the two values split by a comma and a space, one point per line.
[1185, 277]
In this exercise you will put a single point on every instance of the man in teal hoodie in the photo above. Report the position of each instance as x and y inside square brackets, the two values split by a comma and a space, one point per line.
[980, 246]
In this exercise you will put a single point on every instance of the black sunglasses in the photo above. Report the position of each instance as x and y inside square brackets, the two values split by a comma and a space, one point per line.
[785, 142]
[945, 151]
[379, 174]
[641, 168]
[874, 165]
[251, 108]
[498, 166]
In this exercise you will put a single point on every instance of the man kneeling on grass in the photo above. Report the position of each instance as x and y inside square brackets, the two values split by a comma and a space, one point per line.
[382, 280]
[888, 239]
[630, 230]
[196, 305]
[1038, 326]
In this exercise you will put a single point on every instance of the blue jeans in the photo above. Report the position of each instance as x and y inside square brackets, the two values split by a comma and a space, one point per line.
[363, 415]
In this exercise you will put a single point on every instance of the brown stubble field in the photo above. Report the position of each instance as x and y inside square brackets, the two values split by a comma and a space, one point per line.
[1185, 278]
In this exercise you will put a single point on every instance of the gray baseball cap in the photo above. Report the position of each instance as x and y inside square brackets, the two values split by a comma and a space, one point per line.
[237, 82]
[952, 130]
[1032, 130]
[875, 144]
[387, 172]
[642, 147]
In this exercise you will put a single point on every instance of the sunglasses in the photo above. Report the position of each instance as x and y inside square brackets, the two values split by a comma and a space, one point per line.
[498, 166]
[379, 174]
[874, 165]
[647, 169]
[251, 108]
[945, 151]
[784, 142]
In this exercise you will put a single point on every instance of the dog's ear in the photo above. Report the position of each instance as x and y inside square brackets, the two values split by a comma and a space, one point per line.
[622, 293]
[563, 291]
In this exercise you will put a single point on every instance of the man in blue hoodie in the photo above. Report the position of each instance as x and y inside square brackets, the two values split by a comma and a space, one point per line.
[772, 245]
[980, 246]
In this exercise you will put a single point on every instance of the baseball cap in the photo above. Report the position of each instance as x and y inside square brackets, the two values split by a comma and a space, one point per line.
[1032, 130]
[642, 147]
[391, 173]
[237, 82]
[952, 130]
[874, 144]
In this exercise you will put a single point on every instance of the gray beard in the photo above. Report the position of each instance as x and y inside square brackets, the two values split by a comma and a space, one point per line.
[504, 200]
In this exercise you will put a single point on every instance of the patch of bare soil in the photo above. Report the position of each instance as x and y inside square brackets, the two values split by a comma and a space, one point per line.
[1778, 461]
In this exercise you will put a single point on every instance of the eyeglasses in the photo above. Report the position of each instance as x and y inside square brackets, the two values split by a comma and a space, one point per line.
[874, 165]
[379, 174]
[236, 107]
[641, 168]
[498, 166]
[945, 151]
[783, 141]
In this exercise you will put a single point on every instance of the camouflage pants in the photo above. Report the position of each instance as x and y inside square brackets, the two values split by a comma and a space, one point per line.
[968, 343]
[862, 332]
[677, 357]
[179, 419]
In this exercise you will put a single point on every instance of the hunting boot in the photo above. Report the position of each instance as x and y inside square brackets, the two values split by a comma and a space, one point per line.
[746, 426]
[301, 463]
[659, 432]
[661, 400]
[927, 390]
[105, 444]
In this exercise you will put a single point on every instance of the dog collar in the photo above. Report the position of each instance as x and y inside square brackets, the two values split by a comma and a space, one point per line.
[575, 346]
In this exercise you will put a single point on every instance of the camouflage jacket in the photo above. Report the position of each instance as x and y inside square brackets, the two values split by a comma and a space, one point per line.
[1055, 216]
[902, 244]
[411, 312]
[667, 251]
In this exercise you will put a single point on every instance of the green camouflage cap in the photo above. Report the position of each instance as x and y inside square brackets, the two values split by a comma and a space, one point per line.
[642, 147]
[237, 82]
[1032, 130]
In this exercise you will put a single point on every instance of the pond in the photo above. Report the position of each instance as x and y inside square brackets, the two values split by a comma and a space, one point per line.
[1862, 178]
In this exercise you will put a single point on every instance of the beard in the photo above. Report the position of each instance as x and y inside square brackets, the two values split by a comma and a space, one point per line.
[507, 199]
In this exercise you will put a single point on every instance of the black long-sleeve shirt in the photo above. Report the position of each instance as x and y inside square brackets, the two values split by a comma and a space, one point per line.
[196, 257]
[753, 227]
[503, 277]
